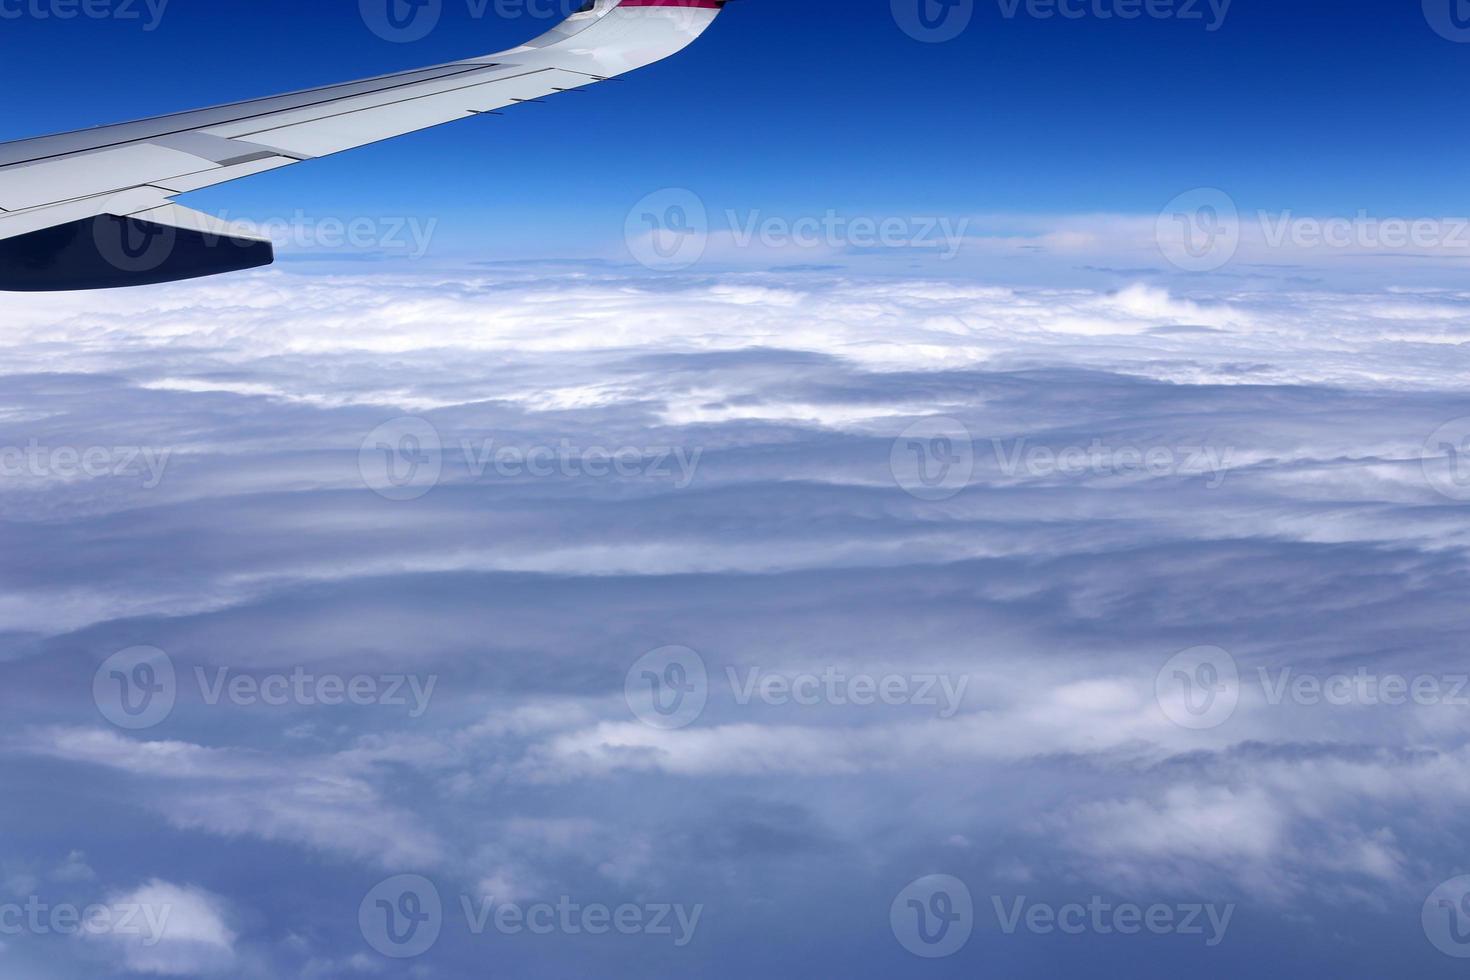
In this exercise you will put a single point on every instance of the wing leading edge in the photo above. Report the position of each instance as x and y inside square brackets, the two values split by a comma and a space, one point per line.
[94, 209]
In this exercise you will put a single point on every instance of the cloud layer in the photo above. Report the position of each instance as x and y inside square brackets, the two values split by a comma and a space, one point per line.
[932, 544]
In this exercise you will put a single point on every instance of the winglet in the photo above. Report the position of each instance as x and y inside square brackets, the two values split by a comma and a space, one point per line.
[611, 37]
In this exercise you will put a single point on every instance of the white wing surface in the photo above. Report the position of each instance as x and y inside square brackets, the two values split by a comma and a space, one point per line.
[95, 209]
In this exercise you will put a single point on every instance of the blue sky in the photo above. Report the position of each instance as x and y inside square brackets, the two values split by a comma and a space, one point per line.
[1123, 522]
[797, 107]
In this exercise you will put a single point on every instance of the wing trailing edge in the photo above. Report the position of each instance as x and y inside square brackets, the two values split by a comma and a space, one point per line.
[107, 251]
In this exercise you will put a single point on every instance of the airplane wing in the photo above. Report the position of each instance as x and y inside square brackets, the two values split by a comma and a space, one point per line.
[95, 209]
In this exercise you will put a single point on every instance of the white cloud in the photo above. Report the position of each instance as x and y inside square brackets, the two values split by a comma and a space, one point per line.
[1059, 596]
[74, 868]
[325, 802]
[183, 931]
